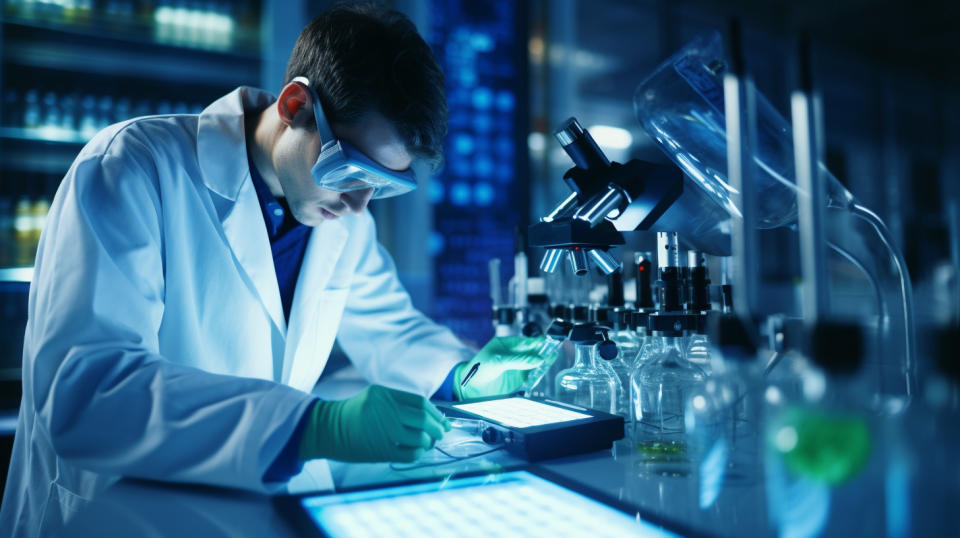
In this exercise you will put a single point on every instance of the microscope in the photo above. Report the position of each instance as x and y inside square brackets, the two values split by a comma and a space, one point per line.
[608, 198]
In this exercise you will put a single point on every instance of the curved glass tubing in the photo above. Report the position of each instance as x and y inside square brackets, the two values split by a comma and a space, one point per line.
[457, 451]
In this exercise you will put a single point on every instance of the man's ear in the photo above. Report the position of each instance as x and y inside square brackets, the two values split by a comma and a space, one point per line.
[295, 104]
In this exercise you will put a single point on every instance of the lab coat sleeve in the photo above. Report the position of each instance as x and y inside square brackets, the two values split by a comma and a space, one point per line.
[391, 342]
[105, 398]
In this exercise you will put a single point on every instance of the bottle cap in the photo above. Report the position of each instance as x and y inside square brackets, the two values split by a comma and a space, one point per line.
[615, 317]
[504, 315]
[532, 329]
[584, 333]
[732, 336]
[607, 350]
[948, 352]
[579, 313]
[837, 347]
[558, 330]
[669, 324]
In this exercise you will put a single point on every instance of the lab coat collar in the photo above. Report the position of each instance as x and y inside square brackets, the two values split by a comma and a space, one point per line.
[221, 141]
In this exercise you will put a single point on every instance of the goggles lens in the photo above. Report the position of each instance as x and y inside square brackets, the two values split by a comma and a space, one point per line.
[346, 176]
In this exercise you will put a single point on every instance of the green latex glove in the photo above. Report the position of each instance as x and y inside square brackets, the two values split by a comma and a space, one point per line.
[378, 424]
[505, 363]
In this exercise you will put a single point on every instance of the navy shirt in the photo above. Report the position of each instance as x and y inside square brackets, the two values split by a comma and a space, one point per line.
[288, 242]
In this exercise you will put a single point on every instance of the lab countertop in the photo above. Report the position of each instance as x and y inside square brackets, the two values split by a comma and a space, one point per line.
[136, 508]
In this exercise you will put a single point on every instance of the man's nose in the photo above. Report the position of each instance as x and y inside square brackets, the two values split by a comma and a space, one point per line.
[357, 200]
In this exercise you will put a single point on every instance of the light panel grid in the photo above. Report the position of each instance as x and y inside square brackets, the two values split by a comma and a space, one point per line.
[521, 412]
[510, 504]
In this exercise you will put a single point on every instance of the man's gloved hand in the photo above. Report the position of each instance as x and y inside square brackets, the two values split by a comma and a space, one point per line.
[505, 363]
[378, 424]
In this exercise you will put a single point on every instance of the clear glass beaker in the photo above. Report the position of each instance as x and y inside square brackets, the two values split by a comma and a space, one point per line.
[591, 382]
[722, 421]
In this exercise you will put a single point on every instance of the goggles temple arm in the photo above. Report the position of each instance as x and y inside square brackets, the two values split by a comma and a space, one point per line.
[323, 127]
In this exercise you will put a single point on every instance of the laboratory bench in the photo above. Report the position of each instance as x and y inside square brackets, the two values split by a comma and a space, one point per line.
[138, 508]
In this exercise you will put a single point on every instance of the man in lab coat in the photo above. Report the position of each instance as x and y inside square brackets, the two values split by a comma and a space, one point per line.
[196, 270]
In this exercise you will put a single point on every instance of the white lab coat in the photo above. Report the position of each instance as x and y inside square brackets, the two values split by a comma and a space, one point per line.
[156, 345]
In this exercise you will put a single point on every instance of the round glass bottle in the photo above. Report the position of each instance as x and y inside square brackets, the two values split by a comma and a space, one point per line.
[660, 388]
[591, 382]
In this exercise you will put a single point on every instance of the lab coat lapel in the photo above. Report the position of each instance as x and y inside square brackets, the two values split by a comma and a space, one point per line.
[247, 235]
[222, 155]
[312, 331]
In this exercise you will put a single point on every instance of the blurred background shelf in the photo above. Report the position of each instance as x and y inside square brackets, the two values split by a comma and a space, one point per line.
[243, 42]
[106, 56]
[16, 274]
[45, 135]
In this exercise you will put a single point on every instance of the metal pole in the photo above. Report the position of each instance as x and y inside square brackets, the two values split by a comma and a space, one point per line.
[740, 108]
[811, 187]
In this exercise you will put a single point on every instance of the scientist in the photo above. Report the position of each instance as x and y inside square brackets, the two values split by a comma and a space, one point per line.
[195, 271]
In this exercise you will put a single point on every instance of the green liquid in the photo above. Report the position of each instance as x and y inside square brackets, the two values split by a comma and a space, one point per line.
[662, 448]
[829, 448]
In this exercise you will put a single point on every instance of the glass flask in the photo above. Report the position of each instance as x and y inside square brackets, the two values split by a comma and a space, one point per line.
[659, 389]
[823, 460]
[591, 383]
[628, 346]
[698, 351]
[722, 416]
[646, 343]
[681, 106]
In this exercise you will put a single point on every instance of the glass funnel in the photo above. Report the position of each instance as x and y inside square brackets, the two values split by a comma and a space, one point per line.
[681, 106]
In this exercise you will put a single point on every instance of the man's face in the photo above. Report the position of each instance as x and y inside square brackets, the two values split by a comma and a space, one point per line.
[372, 134]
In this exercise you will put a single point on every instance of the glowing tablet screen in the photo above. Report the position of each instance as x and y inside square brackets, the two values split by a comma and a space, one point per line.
[520, 412]
[511, 504]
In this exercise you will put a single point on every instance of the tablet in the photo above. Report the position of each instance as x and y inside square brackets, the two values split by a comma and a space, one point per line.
[537, 429]
[515, 503]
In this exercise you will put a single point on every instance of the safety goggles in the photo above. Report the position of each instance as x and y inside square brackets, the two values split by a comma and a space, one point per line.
[341, 167]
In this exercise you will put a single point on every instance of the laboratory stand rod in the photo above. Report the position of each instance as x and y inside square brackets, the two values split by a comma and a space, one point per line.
[811, 189]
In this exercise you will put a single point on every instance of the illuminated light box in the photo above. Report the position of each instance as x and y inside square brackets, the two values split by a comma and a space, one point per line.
[537, 429]
[515, 503]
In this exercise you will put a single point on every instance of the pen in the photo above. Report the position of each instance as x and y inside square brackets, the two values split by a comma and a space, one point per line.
[473, 370]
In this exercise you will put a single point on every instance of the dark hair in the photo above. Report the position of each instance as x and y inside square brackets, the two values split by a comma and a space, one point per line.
[362, 57]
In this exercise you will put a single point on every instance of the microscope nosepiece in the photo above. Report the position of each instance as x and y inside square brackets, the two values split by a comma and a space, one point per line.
[578, 260]
[607, 263]
[551, 260]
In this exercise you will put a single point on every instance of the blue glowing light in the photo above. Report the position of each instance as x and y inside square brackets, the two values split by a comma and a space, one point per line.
[482, 98]
[483, 193]
[481, 42]
[483, 166]
[435, 243]
[460, 194]
[505, 101]
[463, 143]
